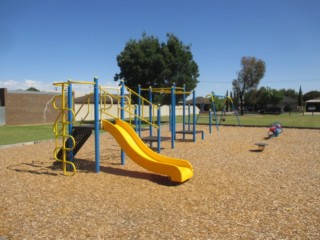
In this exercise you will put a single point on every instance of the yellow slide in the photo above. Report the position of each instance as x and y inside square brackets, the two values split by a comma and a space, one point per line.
[178, 170]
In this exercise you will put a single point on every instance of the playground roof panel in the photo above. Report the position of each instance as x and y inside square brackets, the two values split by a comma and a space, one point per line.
[313, 100]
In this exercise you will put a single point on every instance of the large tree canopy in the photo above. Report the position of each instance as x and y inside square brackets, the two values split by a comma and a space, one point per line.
[311, 95]
[159, 65]
[248, 77]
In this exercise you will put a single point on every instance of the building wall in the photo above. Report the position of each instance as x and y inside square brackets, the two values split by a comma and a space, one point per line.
[29, 108]
[22, 108]
[87, 112]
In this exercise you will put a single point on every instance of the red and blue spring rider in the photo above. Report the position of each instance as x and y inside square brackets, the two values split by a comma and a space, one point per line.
[275, 130]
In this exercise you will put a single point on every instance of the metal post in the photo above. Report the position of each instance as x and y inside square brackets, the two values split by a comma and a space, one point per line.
[189, 115]
[70, 120]
[174, 111]
[122, 116]
[210, 121]
[215, 115]
[150, 113]
[96, 124]
[172, 117]
[194, 115]
[136, 119]
[184, 111]
[170, 120]
[159, 130]
[139, 110]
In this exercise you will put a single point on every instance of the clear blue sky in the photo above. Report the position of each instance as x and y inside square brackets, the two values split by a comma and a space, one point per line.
[43, 41]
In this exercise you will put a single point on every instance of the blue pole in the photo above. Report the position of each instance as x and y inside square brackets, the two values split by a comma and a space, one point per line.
[96, 124]
[184, 111]
[194, 115]
[159, 131]
[235, 112]
[215, 115]
[139, 109]
[70, 120]
[150, 113]
[210, 121]
[172, 117]
[136, 119]
[170, 120]
[189, 114]
[174, 111]
[122, 115]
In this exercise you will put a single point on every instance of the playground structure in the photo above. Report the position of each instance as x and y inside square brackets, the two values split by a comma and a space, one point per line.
[226, 100]
[70, 138]
[173, 91]
[275, 130]
[213, 116]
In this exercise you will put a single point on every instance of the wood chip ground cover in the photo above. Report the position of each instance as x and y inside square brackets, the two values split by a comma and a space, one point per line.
[236, 192]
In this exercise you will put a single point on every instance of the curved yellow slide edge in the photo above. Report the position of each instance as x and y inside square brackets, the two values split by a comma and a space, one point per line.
[178, 170]
[150, 152]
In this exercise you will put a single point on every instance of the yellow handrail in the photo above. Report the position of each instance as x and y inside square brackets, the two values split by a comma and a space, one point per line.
[88, 104]
[128, 106]
[154, 107]
[60, 134]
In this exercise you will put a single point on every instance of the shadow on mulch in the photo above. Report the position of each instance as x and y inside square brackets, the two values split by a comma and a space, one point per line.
[35, 168]
[159, 179]
[256, 150]
[88, 166]
[184, 140]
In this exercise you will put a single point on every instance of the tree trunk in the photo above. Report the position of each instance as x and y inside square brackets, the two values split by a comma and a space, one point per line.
[241, 105]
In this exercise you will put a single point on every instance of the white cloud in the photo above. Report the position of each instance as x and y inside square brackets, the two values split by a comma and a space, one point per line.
[9, 83]
[31, 83]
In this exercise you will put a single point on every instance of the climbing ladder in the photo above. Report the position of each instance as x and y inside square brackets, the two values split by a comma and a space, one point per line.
[80, 135]
[68, 138]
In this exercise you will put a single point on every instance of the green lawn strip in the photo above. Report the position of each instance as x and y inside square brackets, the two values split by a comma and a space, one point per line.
[293, 120]
[19, 134]
[286, 120]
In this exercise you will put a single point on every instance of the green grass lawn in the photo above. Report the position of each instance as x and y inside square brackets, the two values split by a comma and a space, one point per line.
[17, 134]
[286, 120]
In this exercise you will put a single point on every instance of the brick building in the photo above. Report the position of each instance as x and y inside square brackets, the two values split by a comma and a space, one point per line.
[26, 107]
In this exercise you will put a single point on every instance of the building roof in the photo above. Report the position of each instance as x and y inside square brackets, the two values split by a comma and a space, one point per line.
[313, 100]
[200, 100]
[32, 92]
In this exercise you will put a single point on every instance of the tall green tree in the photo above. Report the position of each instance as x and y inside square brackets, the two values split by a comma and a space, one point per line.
[248, 77]
[311, 95]
[250, 98]
[266, 96]
[289, 93]
[159, 65]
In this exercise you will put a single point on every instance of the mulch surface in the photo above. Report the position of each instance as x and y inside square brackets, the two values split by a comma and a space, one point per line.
[237, 192]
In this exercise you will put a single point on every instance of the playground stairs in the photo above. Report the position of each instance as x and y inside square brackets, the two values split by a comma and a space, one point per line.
[80, 135]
